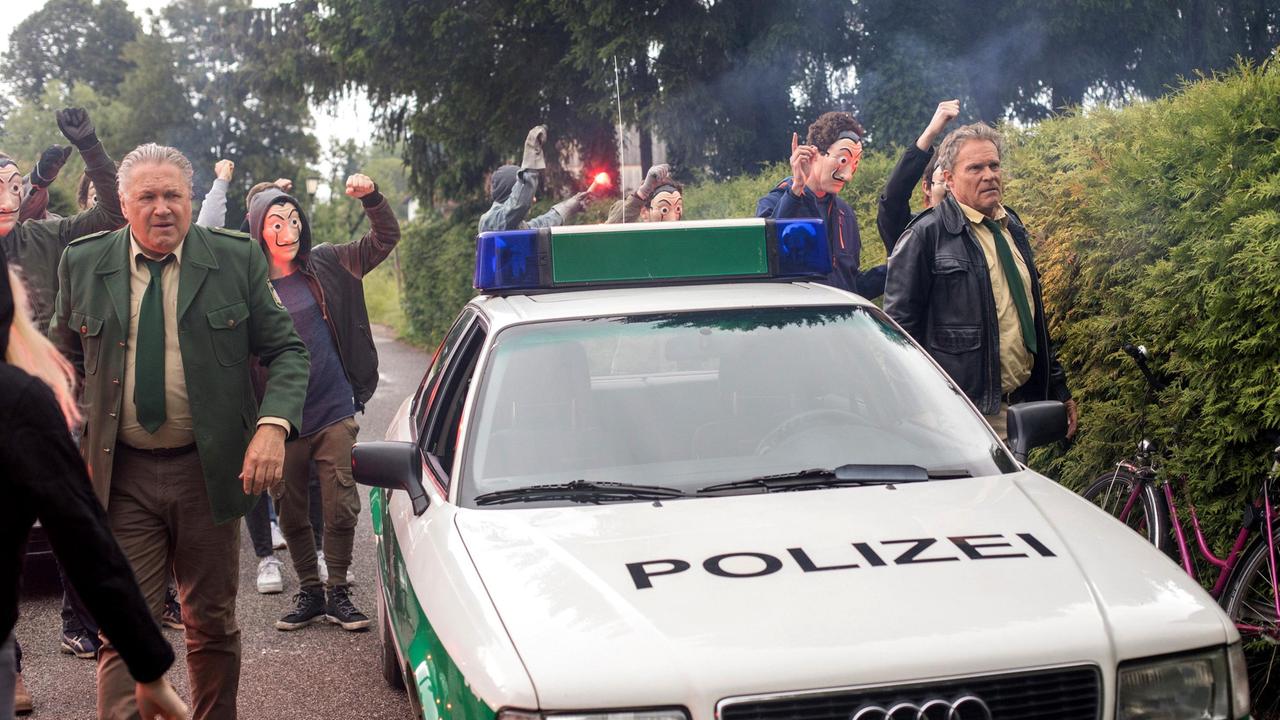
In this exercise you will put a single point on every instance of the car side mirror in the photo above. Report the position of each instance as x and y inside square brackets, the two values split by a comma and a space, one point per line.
[390, 465]
[1035, 424]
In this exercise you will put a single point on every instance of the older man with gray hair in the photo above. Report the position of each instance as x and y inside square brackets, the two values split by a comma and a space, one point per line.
[162, 317]
[963, 282]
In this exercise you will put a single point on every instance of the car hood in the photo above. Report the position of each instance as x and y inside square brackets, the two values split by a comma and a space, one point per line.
[649, 603]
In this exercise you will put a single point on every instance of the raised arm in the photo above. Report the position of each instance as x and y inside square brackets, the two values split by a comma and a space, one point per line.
[368, 252]
[213, 210]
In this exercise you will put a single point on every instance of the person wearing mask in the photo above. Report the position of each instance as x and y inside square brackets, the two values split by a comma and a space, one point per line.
[916, 165]
[161, 318]
[514, 190]
[35, 200]
[820, 168]
[44, 479]
[658, 199]
[963, 283]
[321, 287]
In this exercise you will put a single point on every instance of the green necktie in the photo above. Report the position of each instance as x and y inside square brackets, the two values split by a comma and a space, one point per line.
[1014, 280]
[148, 370]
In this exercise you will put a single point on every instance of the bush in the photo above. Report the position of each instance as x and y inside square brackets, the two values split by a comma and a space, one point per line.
[1158, 224]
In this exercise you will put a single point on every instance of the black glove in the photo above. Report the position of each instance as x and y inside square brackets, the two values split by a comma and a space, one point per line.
[50, 164]
[77, 127]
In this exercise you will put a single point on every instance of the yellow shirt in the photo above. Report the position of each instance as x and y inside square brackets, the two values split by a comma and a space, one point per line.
[178, 429]
[1016, 360]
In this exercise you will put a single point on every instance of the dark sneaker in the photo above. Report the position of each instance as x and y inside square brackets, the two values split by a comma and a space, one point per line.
[308, 607]
[339, 610]
[171, 617]
[80, 643]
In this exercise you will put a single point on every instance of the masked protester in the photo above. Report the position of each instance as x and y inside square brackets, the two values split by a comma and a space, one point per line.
[917, 165]
[514, 190]
[658, 199]
[36, 245]
[820, 168]
[44, 479]
[321, 288]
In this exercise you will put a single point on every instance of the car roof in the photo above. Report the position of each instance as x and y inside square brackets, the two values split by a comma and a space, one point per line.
[502, 310]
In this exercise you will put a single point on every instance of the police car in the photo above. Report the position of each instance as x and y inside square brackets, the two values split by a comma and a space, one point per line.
[655, 473]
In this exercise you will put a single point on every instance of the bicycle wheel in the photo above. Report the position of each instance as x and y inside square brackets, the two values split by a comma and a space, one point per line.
[1249, 600]
[1147, 514]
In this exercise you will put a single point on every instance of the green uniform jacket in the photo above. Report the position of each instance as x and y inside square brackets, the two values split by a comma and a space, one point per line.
[36, 245]
[226, 313]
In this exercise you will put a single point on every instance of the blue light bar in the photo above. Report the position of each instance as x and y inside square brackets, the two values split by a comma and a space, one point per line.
[651, 254]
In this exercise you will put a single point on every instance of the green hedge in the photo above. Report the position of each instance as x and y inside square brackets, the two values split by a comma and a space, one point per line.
[1160, 224]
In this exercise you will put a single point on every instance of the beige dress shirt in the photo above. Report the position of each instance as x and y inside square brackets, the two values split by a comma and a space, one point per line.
[1016, 360]
[178, 428]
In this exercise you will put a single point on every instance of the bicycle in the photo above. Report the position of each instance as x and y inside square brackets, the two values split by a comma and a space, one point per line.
[1145, 499]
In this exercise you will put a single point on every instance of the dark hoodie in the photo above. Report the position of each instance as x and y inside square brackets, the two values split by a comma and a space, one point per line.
[334, 273]
[43, 477]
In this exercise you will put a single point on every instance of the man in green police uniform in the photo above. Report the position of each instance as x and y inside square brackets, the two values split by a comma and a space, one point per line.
[162, 317]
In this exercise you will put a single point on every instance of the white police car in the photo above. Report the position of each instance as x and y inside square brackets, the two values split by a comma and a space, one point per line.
[652, 474]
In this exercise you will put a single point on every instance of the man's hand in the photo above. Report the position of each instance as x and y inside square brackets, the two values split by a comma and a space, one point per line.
[1072, 418]
[657, 175]
[947, 111]
[533, 142]
[224, 169]
[360, 185]
[264, 460]
[285, 184]
[802, 157]
[157, 699]
[50, 164]
[77, 127]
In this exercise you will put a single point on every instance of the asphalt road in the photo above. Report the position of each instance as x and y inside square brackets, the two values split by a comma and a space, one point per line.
[319, 672]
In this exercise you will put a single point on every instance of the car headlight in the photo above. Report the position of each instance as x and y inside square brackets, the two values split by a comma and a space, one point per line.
[642, 714]
[1196, 685]
[1239, 680]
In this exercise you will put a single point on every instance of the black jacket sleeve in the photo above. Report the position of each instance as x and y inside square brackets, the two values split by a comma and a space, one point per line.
[48, 479]
[894, 210]
[910, 284]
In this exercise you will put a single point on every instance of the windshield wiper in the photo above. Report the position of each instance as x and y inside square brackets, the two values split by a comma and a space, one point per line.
[851, 474]
[580, 491]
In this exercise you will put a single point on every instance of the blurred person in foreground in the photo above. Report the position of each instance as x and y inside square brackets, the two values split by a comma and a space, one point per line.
[161, 318]
[820, 168]
[44, 479]
[963, 283]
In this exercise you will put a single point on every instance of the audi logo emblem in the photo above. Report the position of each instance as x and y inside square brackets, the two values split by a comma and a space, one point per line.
[966, 707]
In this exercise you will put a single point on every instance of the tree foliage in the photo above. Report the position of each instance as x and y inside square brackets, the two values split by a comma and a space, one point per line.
[72, 41]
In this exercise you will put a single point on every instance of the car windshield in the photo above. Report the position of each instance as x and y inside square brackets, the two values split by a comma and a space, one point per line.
[690, 400]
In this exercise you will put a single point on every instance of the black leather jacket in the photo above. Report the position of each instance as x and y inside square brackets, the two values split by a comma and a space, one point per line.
[939, 291]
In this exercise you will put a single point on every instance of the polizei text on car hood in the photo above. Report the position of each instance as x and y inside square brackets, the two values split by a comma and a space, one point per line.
[646, 603]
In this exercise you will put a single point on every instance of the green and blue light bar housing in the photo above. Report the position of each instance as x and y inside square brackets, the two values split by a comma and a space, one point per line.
[659, 253]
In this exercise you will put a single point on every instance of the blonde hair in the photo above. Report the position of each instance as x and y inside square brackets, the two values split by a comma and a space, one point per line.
[32, 353]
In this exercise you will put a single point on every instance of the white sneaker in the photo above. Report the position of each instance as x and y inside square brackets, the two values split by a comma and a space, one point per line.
[322, 568]
[269, 580]
[277, 537]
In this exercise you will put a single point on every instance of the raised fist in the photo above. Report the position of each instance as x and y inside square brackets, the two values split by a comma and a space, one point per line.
[360, 185]
[77, 127]
[657, 175]
[50, 164]
[533, 142]
[946, 112]
[224, 169]
[285, 184]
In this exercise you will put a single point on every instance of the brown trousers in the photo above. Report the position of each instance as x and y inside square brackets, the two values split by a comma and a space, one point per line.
[1000, 421]
[330, 448]
[160, 515]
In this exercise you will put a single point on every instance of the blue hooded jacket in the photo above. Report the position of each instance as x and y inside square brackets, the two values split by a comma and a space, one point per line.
[842, 236]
